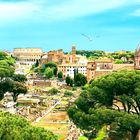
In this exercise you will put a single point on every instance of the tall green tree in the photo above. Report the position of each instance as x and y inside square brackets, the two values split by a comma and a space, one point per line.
[18, 88]
[10, 82]
[48, 73]
[55, 69]
[53, 66]
[80, 79]
[68, 79]
[5, 86]
[112, 100]
[71, 82]
[60, 74]
[6, 72]
[50, 65]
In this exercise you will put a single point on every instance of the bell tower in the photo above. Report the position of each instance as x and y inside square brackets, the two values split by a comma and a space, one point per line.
[73, 53]
[137, 58]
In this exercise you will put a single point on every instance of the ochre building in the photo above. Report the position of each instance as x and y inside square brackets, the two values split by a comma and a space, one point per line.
[60, 58]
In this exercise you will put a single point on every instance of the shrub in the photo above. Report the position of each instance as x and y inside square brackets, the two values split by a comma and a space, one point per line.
[68, 93]
[74, 88]
[53, 91]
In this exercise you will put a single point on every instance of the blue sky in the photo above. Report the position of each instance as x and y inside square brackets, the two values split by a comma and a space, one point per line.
[53, 24]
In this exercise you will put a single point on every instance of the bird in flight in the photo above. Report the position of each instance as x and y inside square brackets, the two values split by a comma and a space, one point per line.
[89, 38]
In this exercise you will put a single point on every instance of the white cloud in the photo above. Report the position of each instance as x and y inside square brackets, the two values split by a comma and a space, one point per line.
[54, 10]
[136, 13]
[76, 8]
[11, 11]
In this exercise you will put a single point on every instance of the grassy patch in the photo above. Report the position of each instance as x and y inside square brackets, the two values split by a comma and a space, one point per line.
[101, 134]
[82, 138]
[55, 122]
[61, 137]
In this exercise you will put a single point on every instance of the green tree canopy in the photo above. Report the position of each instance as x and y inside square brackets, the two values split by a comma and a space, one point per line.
[8, 78]
[71, 82]
[42, 69]
[55, 69]
[60, 74]
[36, 63]
[68, 93]
[97, 54]
[112, 100]
[19, 78]
[18, 88]
[118, 61]
[48, 73]
[53, 66]
[13, 127]
[68, 79]
[3, 55]
[5, 85]
[80, 79]
[6, 72]
[94, 53]
[53, 91]
[6, 65]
